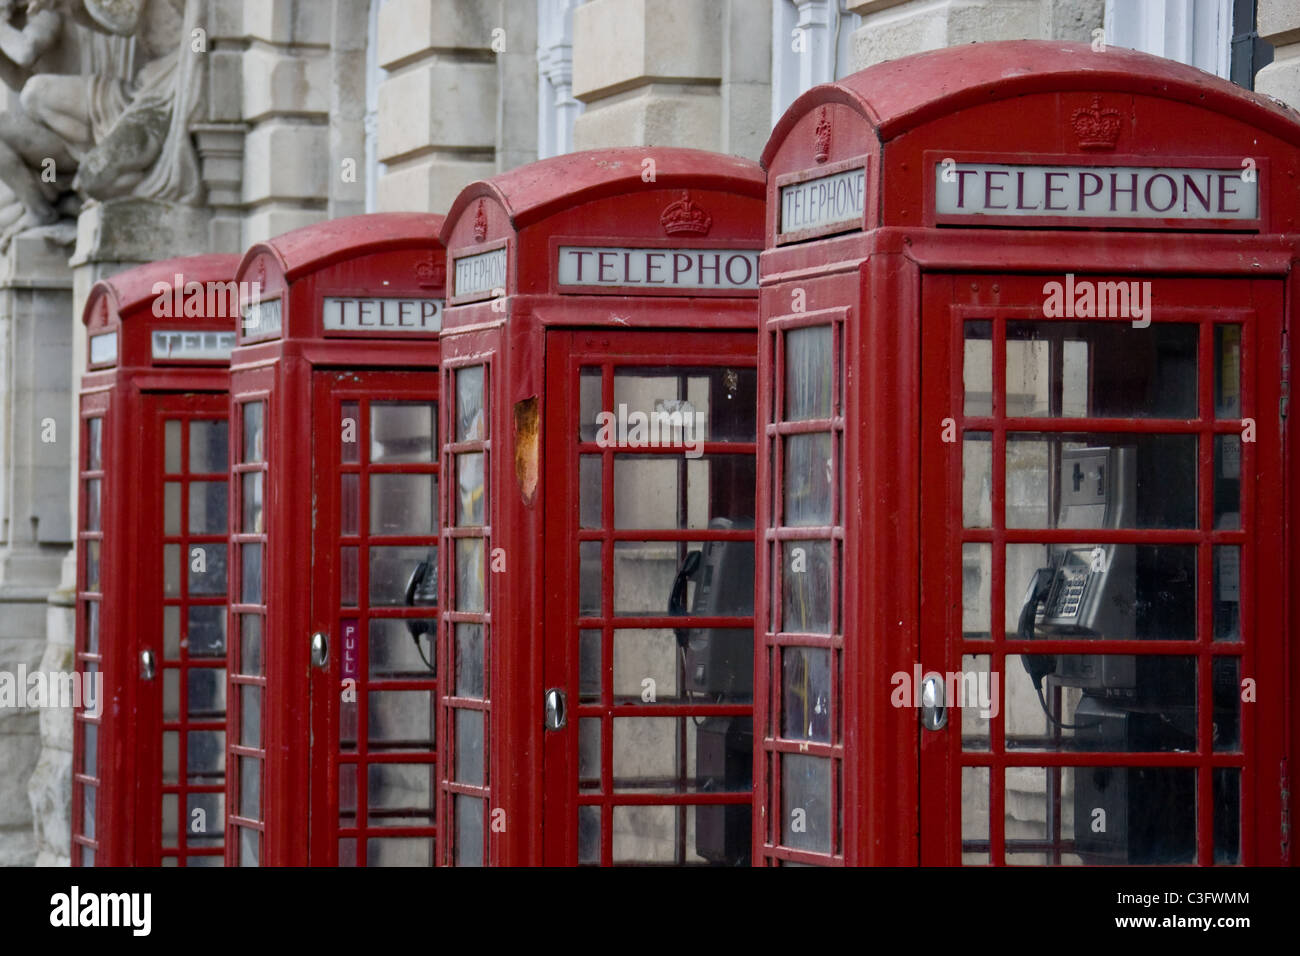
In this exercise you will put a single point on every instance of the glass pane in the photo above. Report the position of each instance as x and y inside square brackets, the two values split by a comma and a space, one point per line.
[806, 802]
[401, 719]
[1227, 815]
[807, 480]
[170, 803]
[205, 815]
[171, 756]
[205, 756]
[349, 504]
[977, 369]
[469, 660]
[1101, 481]
[208, 507]
[590, 578]
[391, 569]
[94, 444]
[588, 834]
[250, 715]
[469, 830]
[249, 847]
[590, 674]
[172, 508]
[253, 414]
[209, 446]
[252, 521]
[679, 755]
[590, 403]
[400, 795]
[590, 491]
[1227, 482]
[977, 480]
[649, 664]
[402, 432]
[250, 648]
[808, 377]
[806, 587]
[208, 569]
[172, 446]
[1108, 591]
[88, 811]
[1106, 369]
[1227, 703]
[394, 654]
[1097, 702]
[469, 481]
[406, 852]
[680, 835]
[92, 626]
[469, 574]
[469, 747]
[350, 433]
[403, 504]
[974, 815]
[171, 694]
[348, 794]
[471, 420]
[1227, 593]
[92, 505]
[976, 591]
[589, 753]
[171, 568]
[1227, 371]
[250, 788]
[349, 576]
[206, 631]
[721, 403]
[806, 694]
[90, 748]
[663, 492]
[1114, 815]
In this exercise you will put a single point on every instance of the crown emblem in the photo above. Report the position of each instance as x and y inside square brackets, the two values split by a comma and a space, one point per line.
[431, 274]
[822, 137]
[685, 217]
[480, 223]
[1097, 128]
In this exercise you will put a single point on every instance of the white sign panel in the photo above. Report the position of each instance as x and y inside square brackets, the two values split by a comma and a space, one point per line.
[824, 203]
[262, 320]
[103, 349]
[189, 345]
[1094, 192]
[484, 272]
[658, 268]
[382, 315]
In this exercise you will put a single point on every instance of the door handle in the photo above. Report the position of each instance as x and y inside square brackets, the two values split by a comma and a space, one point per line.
[320, 649]
[556, 710]
[934, 710]
[148, 666]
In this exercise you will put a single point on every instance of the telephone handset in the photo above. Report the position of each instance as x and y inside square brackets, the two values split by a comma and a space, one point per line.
[1087, 591]
[422, 589]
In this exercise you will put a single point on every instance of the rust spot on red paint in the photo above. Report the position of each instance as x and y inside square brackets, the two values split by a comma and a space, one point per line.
[527, 448]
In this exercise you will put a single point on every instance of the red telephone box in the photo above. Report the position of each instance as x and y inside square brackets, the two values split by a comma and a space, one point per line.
[149, 767]
[334, 477]
[598, 443]
[1023, 377]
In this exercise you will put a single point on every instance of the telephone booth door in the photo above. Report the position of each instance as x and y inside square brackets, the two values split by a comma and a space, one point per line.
[1096, 532]
[374, 582]
[651, 617]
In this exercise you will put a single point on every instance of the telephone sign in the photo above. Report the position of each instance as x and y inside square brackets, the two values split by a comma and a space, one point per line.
[149, 765]
[1022, 560]
[597, 558]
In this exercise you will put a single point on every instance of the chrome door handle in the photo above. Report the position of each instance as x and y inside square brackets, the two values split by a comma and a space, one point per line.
[934, 710]
[148, 666]
[556, 711]
[320, 649]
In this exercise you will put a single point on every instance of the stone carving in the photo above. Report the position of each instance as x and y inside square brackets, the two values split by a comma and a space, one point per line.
[123, 123]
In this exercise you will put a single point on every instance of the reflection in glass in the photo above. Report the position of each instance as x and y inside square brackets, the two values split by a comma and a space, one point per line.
[252, 450]
[806, 587]
[808, 375]
[471, 421]
[469, 574]
[469, 480]
[807, 480]
[806, 694]
[402, 432]
[251, 500]
[94, 443]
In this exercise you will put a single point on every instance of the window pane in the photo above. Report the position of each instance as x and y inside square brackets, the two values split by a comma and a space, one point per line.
[350, 433]
[402, 432]
[403, 504]
[393, 652]
[94, 444]
[808, 378]
[92, 505]
[471, 422]
[977, 480]
[391, 569]
[806, 694]
[206, 756]
[1227, 371]
[207, 693]
[469, 660]
[250, 649]
[469, 830]
[172, 446]
[469, 747]
[1227, 593]
[1227, 482]
[720, 402]
[250, 715]
[401, 719]
[672, 491]
[253, 413]
[172, 507]
[806, 804]
[469, 480]
[208, 507]
[209, 446]
[977, 368]
[207, 569]
[807, 480]
[806, 587]
[590, 491]
[400, 794]
[250, 788]
[252, 522]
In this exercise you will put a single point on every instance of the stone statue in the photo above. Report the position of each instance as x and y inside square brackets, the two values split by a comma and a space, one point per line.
[123, 123]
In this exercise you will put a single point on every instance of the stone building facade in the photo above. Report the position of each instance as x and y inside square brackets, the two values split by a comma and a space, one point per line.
[259, 116]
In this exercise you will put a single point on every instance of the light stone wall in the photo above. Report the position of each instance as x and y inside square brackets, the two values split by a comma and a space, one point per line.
[1278, 22]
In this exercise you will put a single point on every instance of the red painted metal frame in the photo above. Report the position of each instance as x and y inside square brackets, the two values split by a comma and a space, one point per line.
[583, 197]
[126, 397]
[1013, 99]
[381, 255]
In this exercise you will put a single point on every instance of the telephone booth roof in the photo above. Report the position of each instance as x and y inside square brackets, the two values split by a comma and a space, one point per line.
[153, 298]
[1051, 103]
[315, 247]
